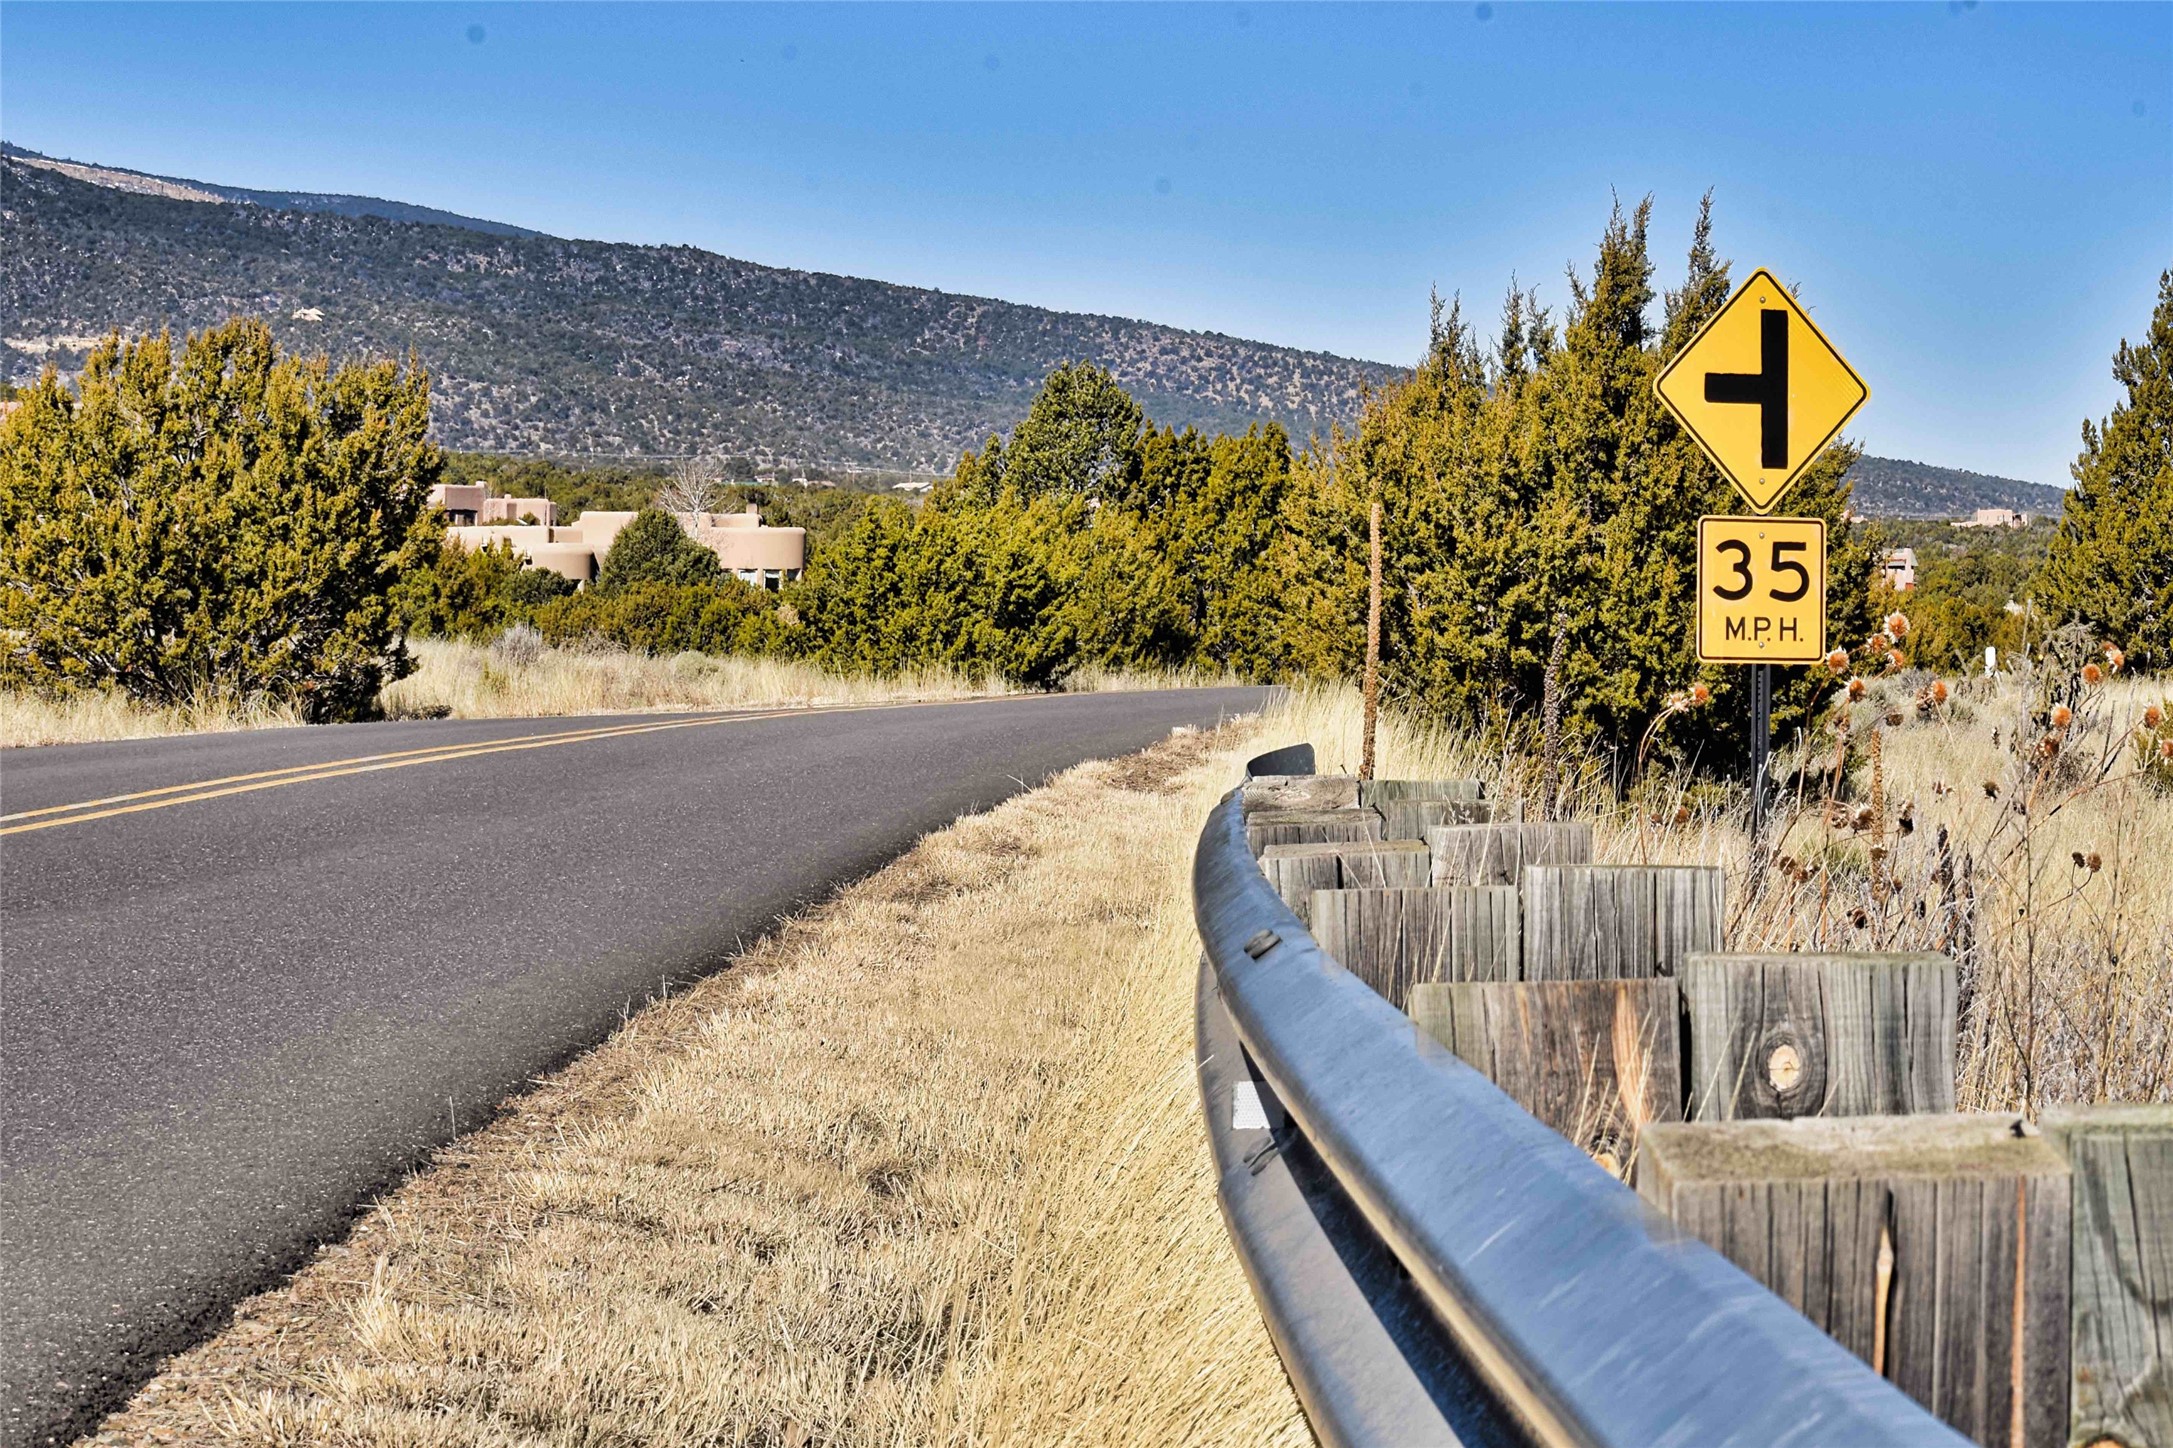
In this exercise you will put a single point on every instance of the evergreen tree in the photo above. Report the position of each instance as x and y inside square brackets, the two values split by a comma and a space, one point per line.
[229, 522]
[1082, 435]
[1225, 529]
[2111, 564]
[654, 548]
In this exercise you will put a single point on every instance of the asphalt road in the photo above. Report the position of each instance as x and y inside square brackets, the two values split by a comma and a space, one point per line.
[231, 1013]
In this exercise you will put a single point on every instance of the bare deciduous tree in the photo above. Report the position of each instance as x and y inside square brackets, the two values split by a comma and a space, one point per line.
[691, 487]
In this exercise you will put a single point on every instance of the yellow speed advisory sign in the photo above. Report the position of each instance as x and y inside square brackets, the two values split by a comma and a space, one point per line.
[1761, 590]
[1762, 390]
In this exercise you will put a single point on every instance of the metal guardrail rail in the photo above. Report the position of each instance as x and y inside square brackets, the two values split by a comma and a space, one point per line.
[1437, 1266]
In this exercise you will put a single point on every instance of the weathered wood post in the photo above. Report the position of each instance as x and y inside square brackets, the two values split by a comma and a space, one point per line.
[1296, 871]
[1299, 791]
[1392, 939]
[1934, 1247]
[1819, 1035]
[1264, 827]
[1410, 807]
[1380, 792]
[1496, 854]
[1606, 922]
[1597, 1060]
[2120, 1160]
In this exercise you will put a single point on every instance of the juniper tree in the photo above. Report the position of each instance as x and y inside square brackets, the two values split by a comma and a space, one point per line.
[654, 548]
[226, 522]
[2111, 564]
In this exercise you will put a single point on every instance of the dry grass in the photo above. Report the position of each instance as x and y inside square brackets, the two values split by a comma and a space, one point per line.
[519, 678]
[925, 1167]
[2047, 876]
[89, 718]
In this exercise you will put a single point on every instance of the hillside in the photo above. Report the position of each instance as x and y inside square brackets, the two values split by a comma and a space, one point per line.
[1895, 488]
[144, 183]
[541, 344]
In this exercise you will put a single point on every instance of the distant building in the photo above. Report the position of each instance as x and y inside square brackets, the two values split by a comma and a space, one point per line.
[470, 504]
[1995, 518]
[765, 557]
[572, 551]
[1899, 569]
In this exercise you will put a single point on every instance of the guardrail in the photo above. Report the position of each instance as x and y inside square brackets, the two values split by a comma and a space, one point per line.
[1437, 1266]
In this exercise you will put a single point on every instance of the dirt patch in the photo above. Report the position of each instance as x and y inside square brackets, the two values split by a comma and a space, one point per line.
[1158, 770]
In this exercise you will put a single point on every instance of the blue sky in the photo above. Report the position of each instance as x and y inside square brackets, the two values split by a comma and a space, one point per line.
[1975, 200]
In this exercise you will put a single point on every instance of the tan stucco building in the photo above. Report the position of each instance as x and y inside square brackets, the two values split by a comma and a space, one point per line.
[470, 504]
[764, 557]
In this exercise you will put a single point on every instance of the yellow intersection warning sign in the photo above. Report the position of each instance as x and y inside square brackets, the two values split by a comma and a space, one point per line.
[1761, 590]
[1761, 389]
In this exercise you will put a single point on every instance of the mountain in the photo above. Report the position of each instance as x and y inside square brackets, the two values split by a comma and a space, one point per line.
[540, 344]
[146, 184]
[1894, 488]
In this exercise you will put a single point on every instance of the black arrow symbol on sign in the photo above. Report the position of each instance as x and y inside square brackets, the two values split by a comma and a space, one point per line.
[1766, 388]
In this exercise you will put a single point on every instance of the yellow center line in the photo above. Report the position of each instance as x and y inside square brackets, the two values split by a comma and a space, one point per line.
[171, 795]
[442, 756]
[563, 735]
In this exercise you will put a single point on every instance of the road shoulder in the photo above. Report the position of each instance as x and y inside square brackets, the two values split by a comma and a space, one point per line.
[925, 1165]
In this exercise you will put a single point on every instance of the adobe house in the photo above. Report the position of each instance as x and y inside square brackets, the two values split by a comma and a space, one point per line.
[470, 504]
[765, 557]
[1899, 569]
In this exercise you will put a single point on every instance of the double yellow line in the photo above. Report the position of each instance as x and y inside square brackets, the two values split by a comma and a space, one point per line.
[25, 821]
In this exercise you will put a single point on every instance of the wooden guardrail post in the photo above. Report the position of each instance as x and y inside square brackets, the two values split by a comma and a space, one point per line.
[1410, 819]
[1296, 871]
[1934, 1247]
[1603, 922]
[1496, 854]
[1379, 792]
[1264, 827]
[1300, 791]
[2121, 1279]
[1392, 939]
[1597, 1060]
[1819, 1035]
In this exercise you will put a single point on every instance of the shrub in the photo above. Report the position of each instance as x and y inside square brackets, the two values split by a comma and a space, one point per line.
[653, 548]
[517, 647]
[725, 617]
[227, 524]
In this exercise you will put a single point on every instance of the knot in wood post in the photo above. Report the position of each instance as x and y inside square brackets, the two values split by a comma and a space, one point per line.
[1784, 1068]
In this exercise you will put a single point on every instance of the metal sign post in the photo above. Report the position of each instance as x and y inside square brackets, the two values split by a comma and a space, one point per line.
[1761, 742]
